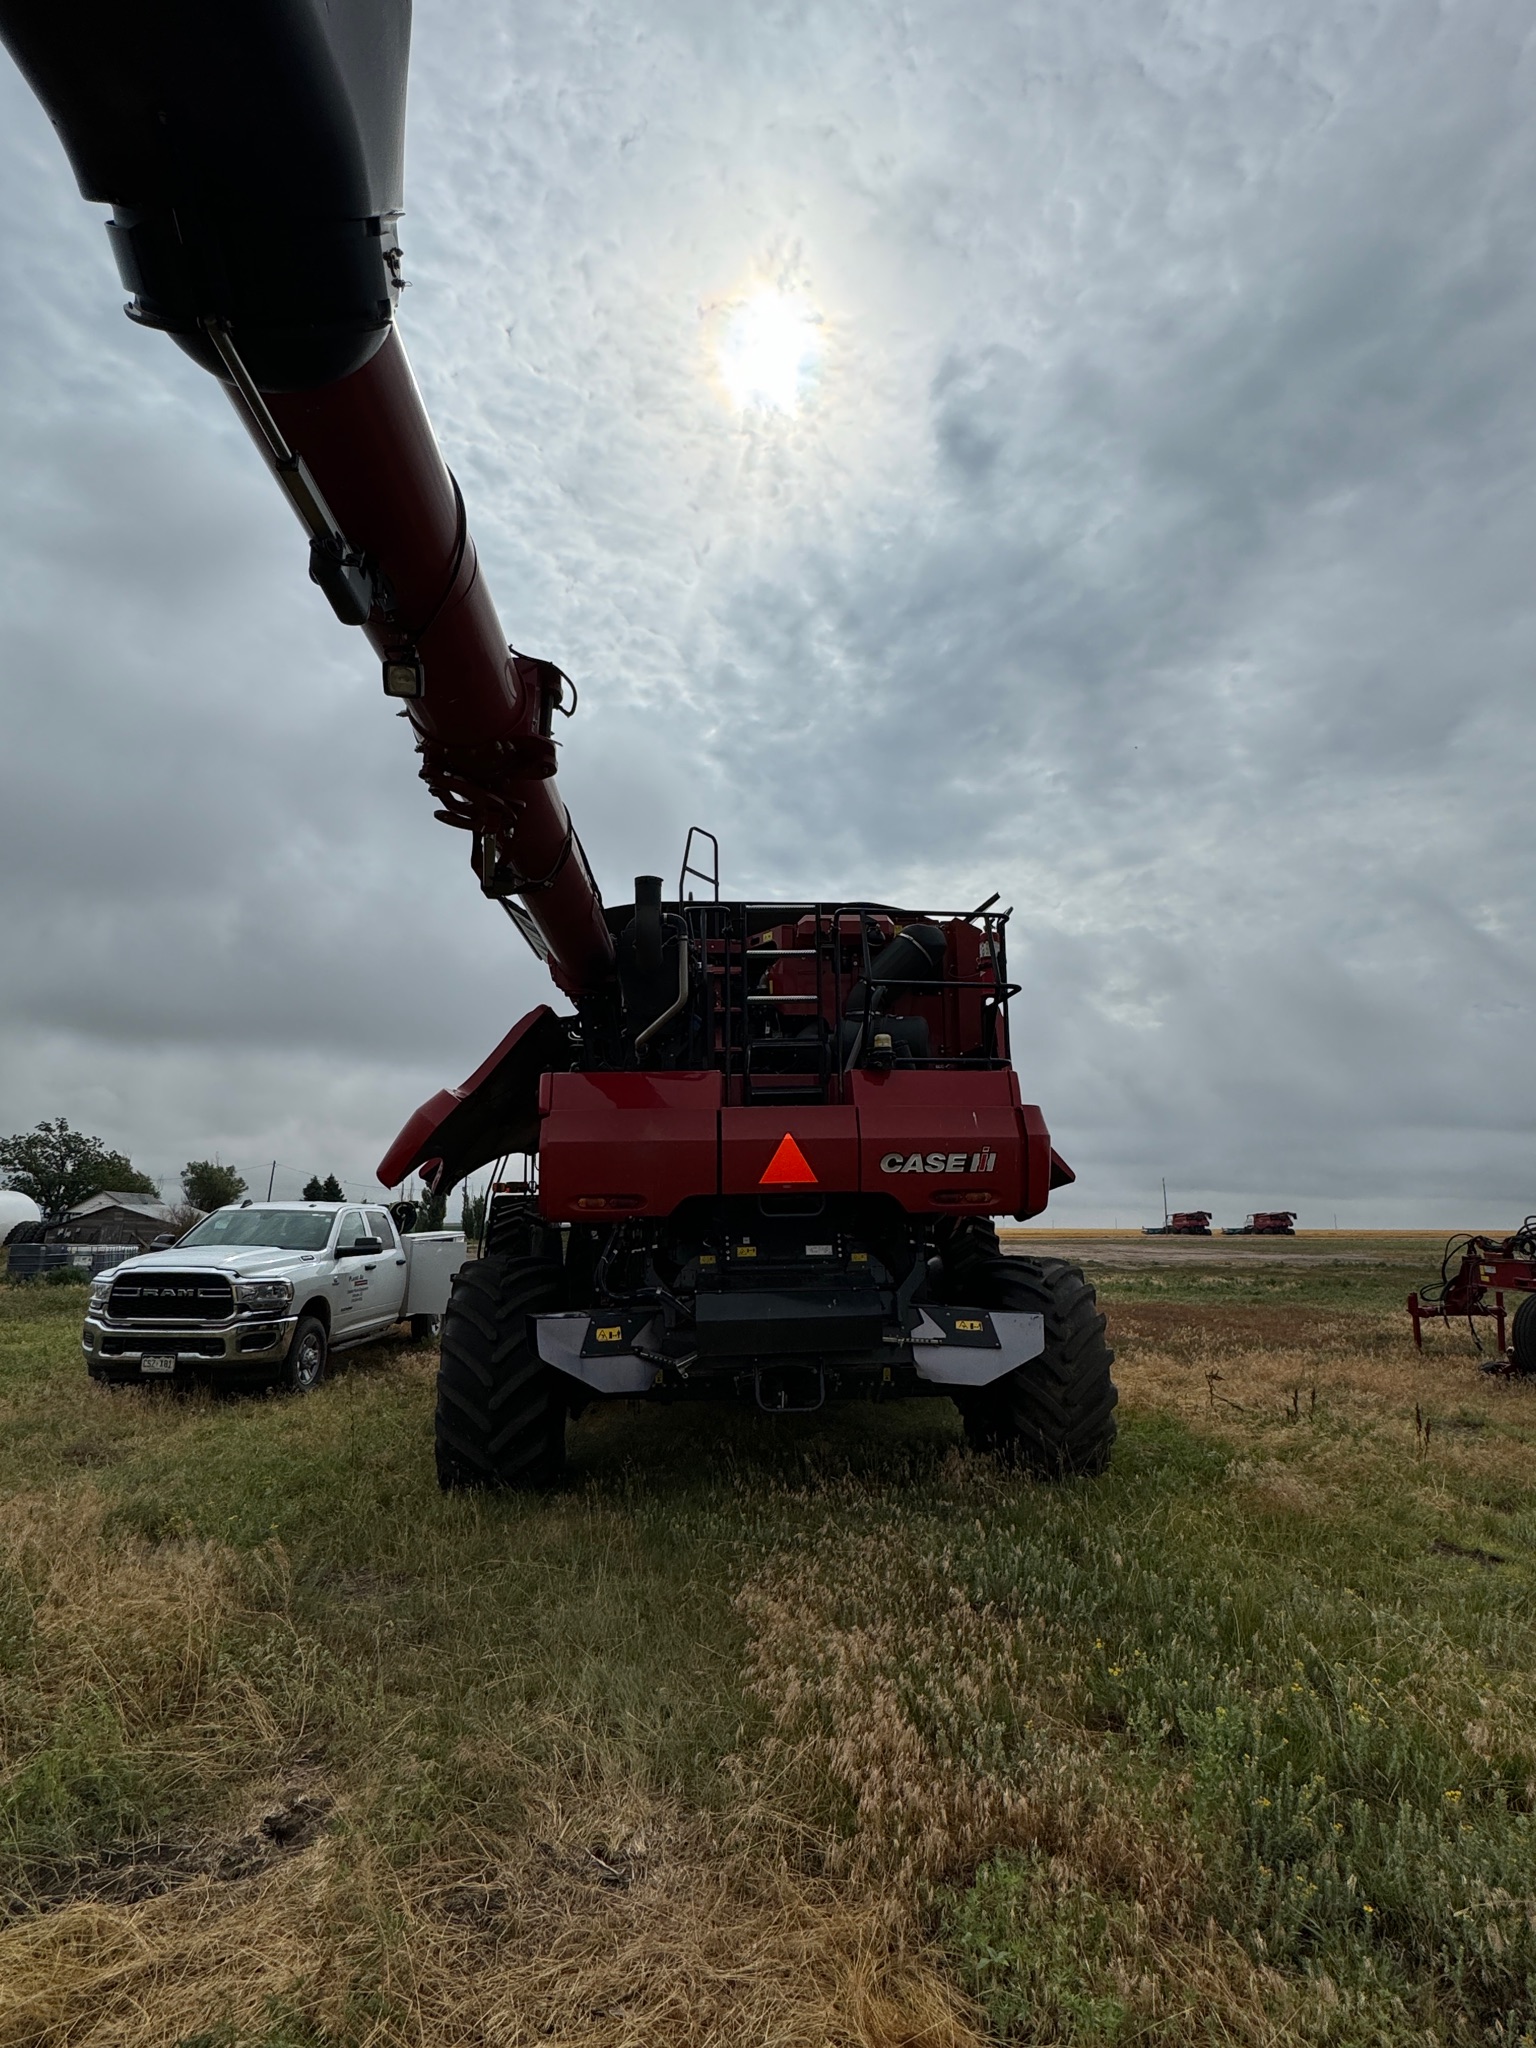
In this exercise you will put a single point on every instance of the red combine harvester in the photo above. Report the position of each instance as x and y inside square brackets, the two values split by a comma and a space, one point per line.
[1476, 1274]
[1182, 1223]
[770, 1137]
[1265, 1223]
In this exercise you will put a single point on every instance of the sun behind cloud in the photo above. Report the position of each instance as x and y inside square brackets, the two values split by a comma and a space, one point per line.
[769, 349]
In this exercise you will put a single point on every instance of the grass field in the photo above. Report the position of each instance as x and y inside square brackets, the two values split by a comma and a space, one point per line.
[812, 1731]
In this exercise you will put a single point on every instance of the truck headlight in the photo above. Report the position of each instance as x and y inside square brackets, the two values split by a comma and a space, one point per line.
[262, 1297]
[101, 1287]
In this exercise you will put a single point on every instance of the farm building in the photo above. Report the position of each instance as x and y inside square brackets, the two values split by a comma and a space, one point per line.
[119, 1219]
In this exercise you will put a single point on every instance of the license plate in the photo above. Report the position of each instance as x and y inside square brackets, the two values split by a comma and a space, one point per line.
[158, 1361]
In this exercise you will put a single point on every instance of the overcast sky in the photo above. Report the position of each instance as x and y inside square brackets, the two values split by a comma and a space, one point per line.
[1152, 542]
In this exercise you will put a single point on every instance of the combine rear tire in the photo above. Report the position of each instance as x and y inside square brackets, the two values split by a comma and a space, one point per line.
[1522, 1338]
[1055, 1414]
[500, 1408]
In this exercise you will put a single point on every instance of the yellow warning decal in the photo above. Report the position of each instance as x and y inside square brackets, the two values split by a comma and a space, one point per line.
[610, 1333]
[967, 1323]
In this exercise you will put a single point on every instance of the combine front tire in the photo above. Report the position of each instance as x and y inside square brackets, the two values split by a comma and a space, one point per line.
[500, 1408]
[1055, 1414]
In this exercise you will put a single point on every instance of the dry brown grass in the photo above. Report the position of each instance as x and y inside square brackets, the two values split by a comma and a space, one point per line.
[891, 1714]
[694, 1947]
[614, 1919]
[1164, 1350]
[932, 1706]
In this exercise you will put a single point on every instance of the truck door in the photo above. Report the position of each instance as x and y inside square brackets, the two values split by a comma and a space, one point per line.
[386, 1289]
[352, 1279]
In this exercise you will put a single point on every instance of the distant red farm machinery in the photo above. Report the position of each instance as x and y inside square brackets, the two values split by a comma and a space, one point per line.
[1265, 1223]
[1182, 1223]
[1475, 1276]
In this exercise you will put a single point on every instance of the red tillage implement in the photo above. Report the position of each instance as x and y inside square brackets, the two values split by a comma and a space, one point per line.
[770, 1137]
[1475, 1276]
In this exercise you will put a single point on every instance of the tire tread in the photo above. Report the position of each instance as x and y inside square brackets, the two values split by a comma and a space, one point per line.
[500, 1409]
[1055, 1414]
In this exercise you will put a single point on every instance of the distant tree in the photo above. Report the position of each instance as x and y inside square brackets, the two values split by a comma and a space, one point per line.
[327, 1190]
[433, 1212]
[183, 1217]
[472, 1215]
[207, 1185]
[60, 1168]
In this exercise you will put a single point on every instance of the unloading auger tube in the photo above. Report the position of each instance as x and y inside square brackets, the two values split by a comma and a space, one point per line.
[252, 154]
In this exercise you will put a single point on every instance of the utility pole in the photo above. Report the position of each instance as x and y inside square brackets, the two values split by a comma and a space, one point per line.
[272, 1176]
[1165, 1202]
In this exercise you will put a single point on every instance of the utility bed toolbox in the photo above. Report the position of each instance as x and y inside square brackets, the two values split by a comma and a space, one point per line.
[433, 1257]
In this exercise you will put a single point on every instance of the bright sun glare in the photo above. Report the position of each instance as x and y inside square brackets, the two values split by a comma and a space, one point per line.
[769, 350]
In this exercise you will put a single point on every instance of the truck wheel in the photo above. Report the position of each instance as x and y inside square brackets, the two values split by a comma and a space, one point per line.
[304, 1367]
[1522, 1337]
[500, 1408]
[1055, 1414]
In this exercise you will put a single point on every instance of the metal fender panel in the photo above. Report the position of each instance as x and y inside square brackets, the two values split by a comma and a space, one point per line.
[561, 1341]
[945, 1357]
[821, 1157]
[614, 1145]
[943, 1142]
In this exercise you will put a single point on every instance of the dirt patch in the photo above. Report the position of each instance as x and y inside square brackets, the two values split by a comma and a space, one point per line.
[130, 1872]
[1443, 1549]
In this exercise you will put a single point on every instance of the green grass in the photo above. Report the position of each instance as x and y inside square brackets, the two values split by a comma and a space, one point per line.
[1235, 1745]
[1368, 1290]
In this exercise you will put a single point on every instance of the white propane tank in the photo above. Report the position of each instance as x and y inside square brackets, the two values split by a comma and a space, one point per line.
[15, 1208]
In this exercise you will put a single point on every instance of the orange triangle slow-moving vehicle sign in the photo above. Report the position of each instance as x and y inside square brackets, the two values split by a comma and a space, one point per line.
[788, 1168]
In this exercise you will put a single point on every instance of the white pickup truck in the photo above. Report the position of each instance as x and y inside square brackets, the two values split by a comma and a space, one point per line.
[265, 1292]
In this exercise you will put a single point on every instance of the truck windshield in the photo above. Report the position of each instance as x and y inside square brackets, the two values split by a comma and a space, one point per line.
[284, 1230]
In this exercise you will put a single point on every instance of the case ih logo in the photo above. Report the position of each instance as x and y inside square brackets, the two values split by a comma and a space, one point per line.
[938, 1162]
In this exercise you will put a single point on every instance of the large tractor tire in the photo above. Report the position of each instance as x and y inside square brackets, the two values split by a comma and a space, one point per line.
[500, 1409]
[1055, 1414]
[1522, 1338]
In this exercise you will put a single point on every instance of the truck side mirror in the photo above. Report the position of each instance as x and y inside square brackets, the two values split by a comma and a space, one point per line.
[163, 1242]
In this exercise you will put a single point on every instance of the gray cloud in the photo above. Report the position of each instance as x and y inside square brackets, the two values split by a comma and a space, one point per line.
[1154, 547]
